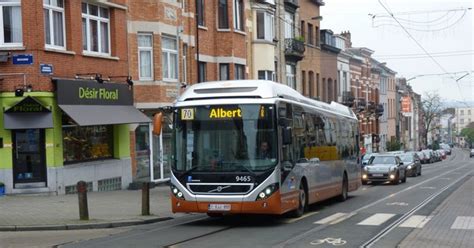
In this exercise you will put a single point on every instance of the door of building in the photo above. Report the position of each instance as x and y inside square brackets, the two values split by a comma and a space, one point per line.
[29, 163]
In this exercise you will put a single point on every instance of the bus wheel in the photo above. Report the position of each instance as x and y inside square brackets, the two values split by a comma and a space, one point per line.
[302, 202]
[345, 189]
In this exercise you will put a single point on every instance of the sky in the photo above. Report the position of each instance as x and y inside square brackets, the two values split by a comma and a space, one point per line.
[447, 35]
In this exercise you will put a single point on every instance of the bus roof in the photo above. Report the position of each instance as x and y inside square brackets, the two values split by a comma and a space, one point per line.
[256, 89]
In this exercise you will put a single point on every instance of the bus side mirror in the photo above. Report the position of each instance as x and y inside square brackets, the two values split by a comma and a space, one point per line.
[287, 136]
[157, 121]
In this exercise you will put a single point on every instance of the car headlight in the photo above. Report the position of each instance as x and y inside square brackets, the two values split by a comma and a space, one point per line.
[267, 192]
[409, 167]
[176, 192]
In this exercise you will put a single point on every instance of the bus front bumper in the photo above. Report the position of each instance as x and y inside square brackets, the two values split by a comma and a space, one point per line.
[270, 205]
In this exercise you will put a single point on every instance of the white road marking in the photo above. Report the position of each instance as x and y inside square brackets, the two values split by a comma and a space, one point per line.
[445, 178]
[397, 203]
[333, 219]
[376, 219]
[416, 221]
[300, 218]
[463, 222]
[427, 187]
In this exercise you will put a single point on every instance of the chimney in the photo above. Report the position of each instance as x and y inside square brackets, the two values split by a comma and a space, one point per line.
[347, 35]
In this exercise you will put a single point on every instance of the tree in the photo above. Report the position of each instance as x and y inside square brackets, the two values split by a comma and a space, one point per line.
[432, 109]
[393, 145]
[468, 133]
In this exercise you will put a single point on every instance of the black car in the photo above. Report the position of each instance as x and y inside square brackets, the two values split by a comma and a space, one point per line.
[412, 162]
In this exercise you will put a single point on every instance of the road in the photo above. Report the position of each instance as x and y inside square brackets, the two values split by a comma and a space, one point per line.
[374, 216]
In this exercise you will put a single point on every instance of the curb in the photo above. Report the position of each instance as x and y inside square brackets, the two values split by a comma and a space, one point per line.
[98, 225]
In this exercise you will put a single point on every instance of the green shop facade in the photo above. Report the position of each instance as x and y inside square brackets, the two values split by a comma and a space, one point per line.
[51, 140]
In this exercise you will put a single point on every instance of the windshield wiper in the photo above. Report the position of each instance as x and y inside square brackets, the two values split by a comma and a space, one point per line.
[190, 170]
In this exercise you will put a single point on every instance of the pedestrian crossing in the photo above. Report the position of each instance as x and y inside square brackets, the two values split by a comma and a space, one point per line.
[414, 221]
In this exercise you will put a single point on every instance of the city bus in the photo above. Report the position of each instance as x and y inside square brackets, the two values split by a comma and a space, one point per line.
[260, 147]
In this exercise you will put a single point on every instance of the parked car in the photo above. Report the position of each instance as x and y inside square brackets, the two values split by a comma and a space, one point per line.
[437, 156]
[472, 153]
[428, 156]
[422, 157]
[447, 148]
[412, 162]
[443, 153]
[384, 167]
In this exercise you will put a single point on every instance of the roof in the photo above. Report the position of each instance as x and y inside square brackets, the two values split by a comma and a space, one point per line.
[262, 89]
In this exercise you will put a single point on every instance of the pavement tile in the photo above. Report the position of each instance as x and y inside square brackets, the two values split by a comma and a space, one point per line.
[106, 209]
[438, 232]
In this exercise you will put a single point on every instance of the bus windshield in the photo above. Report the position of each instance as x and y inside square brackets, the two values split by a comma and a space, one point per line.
[225, 138]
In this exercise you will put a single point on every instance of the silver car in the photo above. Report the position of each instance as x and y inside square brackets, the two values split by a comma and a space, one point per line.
[384, 168]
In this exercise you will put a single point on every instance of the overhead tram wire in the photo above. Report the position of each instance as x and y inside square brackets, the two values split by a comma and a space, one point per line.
[421, 46]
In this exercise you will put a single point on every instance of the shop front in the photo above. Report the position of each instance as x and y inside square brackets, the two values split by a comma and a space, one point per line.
[50, 141]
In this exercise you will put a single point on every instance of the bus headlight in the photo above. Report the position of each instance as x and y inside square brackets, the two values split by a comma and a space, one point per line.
[267, 192]
[176, 192]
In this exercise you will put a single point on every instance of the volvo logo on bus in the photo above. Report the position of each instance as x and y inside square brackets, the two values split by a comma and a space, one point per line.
[218, 189]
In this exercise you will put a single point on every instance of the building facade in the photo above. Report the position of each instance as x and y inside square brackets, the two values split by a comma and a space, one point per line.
[311, 63]
[66, 96]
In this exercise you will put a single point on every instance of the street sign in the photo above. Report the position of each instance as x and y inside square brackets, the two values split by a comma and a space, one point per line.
[22, 59]
[46, 68]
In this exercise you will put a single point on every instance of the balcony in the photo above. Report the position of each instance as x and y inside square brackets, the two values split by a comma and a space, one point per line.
[360, 104]
[294, 49]
[293, 3]
[347, 98]
[379, 110]
[319, 2]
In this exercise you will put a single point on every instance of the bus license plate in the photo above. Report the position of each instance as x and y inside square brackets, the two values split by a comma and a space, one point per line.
[219, 207]
[377, 175]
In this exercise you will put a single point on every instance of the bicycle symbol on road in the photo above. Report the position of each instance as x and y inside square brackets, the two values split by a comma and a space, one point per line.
[332, 241]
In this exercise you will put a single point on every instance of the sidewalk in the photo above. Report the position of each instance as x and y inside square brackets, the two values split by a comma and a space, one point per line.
[452, 224]
[106, 209]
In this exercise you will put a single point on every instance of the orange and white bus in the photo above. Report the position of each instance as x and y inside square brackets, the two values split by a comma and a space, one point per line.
[260, 147]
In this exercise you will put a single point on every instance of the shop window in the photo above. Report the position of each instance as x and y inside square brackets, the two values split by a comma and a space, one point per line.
[82, 144]
[95, 29]
[54, 29]
[10, 23]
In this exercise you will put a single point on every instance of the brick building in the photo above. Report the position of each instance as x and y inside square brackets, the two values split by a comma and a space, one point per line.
[64, 96]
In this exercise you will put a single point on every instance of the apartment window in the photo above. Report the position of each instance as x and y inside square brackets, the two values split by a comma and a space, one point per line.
[202, 72]
[462, 121]
[185, 63]
[303, 82]
[54, 31]
[239, 15]
[266, 75]
[310, 34]
[462, 112]
[239, 71]
[289, 25]
[290, 75]
[145, 56]
[311, 83]
[224, 72]
[10, 23]
[95, 29]
[318, 42]
[302, 29]
[200, 12]
[469, 112]
[265, 26]
[169, 55]
[223, 14]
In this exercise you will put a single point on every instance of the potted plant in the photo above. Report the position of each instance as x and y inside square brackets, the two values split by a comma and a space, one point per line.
[2, 188]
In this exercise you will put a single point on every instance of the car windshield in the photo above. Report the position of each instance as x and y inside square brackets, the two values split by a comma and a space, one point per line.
[407, 158]
[219, 138]
[382, 160]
